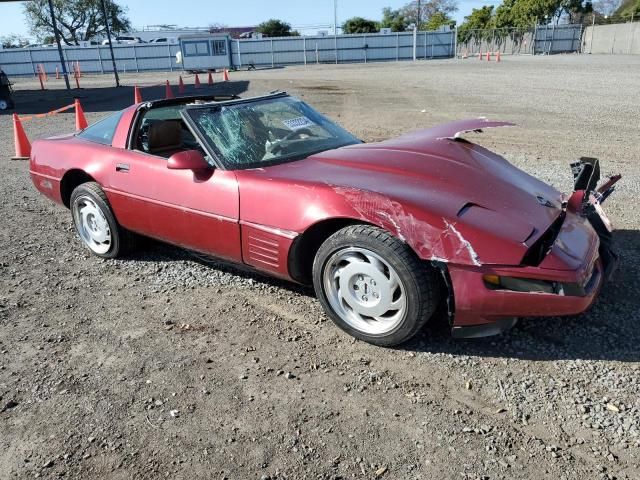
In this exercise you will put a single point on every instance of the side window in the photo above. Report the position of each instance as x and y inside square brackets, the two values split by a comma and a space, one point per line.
[162, 132]
[196, 49]
[219, 47]
[102, 132]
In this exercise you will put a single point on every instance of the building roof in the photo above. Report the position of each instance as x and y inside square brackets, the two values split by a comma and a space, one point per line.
[234, 32]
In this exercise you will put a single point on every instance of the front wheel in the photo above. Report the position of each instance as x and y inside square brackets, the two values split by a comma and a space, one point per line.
[373, 286]
[95, 223]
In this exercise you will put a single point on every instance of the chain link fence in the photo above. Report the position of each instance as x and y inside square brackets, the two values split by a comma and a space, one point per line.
[510, 41]
[541, 39]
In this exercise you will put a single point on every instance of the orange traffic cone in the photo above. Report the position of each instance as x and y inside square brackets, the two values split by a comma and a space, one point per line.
[180, 85]
[225, 75]
[488, 56]
[23, 147]
[81, 122]
[168, 93]
[210, 79]
[498, 56]
[197, 82]
[137, 96]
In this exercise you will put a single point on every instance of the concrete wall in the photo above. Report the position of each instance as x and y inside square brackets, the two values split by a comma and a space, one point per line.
[620, 38]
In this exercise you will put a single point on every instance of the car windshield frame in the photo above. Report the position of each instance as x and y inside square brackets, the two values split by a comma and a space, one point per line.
[217, 155]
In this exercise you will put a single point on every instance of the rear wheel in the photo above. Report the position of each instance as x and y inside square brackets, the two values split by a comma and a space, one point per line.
[373, 286]
[95, 223]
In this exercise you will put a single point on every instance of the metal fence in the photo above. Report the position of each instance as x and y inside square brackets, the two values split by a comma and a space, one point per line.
[259, 52]
[343, 48]
[306, 50]
[129, 58]
[557, 39]
[541, 39]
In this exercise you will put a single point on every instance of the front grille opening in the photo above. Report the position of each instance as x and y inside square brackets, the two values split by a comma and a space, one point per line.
[539, 250]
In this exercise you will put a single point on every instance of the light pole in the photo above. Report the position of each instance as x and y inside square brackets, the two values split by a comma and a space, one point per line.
[56, 34]
[113, 60]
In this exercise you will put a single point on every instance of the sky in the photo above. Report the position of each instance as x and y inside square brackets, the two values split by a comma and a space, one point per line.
[306, 15]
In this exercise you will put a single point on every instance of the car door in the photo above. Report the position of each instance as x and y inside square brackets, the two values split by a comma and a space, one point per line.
[194, 209]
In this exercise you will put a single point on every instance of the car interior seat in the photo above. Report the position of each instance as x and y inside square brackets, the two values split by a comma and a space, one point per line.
[165, 138]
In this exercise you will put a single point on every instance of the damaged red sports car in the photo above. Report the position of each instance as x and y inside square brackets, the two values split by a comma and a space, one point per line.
[385, 232]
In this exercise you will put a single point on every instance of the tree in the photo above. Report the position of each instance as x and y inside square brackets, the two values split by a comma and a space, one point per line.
[575, 10]
[393, 19]
[607, 7]
[76, 19]
[13, 40]
[628, 9]
[525, 13]
[438, 20]
[359, 25]
[479, 19]
[428, 9]
[276, 28]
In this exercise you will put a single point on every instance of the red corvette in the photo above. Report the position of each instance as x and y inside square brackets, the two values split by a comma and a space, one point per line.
[385, 231]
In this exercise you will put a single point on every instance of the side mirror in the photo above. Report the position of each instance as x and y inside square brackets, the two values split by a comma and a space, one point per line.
[187, 160]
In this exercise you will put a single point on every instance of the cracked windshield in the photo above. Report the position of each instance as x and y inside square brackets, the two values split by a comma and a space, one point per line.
[267, 132]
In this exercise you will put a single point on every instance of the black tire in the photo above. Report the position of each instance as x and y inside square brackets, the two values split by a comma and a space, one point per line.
[421, 282]
[121, 240]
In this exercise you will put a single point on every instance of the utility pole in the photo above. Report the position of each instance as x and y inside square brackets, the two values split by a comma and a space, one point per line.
[335, 29]
[418, 19]
[56, 34]
[113, 59]
[593, 28]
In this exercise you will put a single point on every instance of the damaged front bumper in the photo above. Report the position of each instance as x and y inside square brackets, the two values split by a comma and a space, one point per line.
[487, 300]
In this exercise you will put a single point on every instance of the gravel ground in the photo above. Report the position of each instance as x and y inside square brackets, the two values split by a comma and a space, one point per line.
[163, 365]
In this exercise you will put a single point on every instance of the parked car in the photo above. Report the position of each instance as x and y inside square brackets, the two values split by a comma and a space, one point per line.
[127, 40]
[386, 232]
[40, 45]
[164, 40]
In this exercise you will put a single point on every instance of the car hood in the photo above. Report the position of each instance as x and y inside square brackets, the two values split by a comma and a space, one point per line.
[432, 181]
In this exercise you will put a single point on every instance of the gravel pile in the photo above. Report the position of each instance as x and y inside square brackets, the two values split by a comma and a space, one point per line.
[172, 365]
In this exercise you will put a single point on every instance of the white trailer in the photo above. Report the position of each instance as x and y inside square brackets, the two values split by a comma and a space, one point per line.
[205, 51]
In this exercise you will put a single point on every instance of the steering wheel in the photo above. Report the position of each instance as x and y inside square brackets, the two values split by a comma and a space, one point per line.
[290, 136]
[297, 133]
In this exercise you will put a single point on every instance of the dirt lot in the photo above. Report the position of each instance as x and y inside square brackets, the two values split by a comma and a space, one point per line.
[96, 355]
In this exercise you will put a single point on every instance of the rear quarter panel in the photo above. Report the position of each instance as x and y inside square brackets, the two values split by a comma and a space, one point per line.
[52, 157]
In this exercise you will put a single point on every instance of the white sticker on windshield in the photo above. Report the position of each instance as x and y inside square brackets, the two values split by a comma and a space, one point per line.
[298, 123]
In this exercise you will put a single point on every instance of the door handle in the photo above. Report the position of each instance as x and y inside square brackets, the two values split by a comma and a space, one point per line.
[122, 167]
